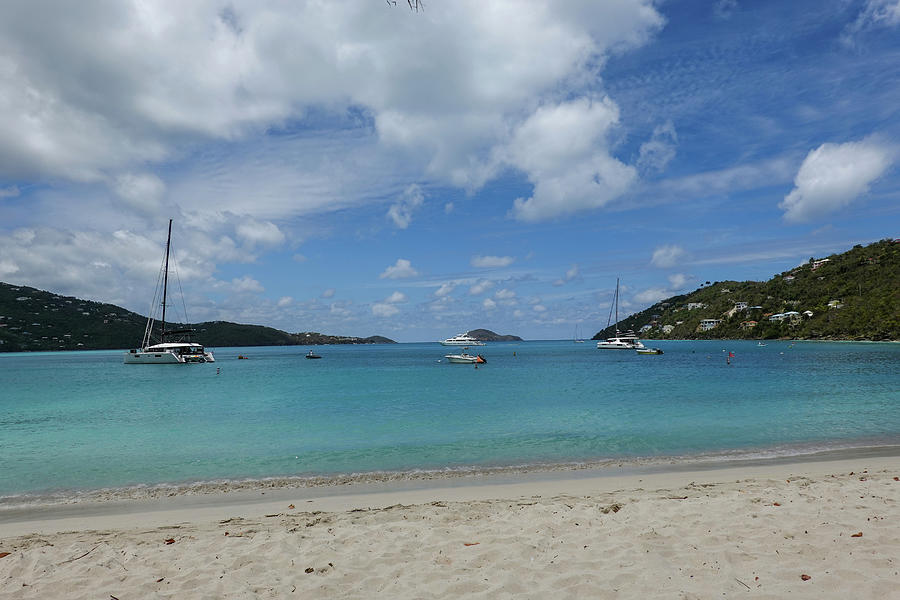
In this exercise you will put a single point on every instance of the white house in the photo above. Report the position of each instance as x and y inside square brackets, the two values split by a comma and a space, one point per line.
[707, 324]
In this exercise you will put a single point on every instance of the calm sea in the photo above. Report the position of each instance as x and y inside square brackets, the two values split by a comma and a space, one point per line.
[77, 421]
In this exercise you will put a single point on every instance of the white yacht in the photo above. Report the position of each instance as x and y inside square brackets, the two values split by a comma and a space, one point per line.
[463, 339]
[178, 352]
[621, 341]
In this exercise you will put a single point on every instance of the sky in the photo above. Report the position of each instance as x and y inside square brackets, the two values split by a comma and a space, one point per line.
[360, 168]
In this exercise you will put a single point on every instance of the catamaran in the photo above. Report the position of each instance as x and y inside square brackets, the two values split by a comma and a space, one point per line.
[621, 341]
[180, 350]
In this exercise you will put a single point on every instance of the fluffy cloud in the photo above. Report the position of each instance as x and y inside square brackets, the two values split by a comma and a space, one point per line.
[329, 293]
[246, 284]
[485, 262]
[262, 233]
[445, 289]
[285, 301]
[834, 175]
[666, 257]
[562, 150]
[396, 298]
[679, 280]
[652, 295]
[401, 212]
[402, 269]
[489, 304]
[481, 287]
[505, 294]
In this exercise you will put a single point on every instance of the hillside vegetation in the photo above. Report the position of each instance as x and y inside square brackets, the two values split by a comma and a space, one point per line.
[853, 296]
[36, 320]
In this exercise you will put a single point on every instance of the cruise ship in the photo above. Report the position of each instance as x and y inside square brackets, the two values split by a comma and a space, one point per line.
[463, 339]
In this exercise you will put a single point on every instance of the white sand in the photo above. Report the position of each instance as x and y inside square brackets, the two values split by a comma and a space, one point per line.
[745, 532]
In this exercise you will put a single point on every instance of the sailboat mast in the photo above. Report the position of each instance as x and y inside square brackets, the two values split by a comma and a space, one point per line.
[166, 283]
[617, 305]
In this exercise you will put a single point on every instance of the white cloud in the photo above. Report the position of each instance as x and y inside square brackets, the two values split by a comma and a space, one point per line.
[142, 191]
[656, 153]
[9, 192]
[382, 309]
[486, 262]
[679, 280]
[246, 284]
[396, 298]
[666, 257]
[875, 14]
[489, 304]
[285, 301]
[834, 175]
[262, 233]
[505, 294]
[481, 286]
[652, 295]
[402, 269]
[328, 293]
[401, 212]
[561, 148]
[571, 275]
[445, 289]
[539, 308]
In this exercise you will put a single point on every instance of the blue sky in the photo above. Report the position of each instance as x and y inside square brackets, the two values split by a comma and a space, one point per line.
[359, 169]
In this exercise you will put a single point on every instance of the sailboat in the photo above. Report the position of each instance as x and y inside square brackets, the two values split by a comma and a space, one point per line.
[621, 341]
[576, 339]
[178, 352]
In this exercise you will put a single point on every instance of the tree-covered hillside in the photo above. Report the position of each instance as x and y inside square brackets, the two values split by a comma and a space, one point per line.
[854, 296]
[36, 320]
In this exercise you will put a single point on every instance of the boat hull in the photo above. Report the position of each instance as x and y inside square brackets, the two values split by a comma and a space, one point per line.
[464, 359]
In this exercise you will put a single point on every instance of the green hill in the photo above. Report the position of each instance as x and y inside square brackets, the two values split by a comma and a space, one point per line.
[852, 296]
[36, 320]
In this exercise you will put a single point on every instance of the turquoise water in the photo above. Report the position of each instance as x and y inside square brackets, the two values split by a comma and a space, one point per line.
[84, 420]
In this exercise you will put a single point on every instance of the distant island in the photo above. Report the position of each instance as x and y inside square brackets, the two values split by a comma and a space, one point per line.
[850, 296]
[37, 320]
[486, 335]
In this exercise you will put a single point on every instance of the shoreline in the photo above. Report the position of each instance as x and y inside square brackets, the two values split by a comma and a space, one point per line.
[457, 475]
[210, 500]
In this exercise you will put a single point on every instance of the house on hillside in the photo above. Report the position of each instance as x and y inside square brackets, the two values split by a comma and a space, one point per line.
[818, 263]
[695, 305]
[748, 324]
[707, 324]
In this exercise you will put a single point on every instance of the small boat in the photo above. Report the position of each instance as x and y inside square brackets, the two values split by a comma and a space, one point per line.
[649, 351]
[242, 357]
[466, 359]
[760, 344]
[312, 354]
[463, 339]
[179, 350]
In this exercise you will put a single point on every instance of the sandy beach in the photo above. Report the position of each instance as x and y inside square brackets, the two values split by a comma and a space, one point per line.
[828, 529]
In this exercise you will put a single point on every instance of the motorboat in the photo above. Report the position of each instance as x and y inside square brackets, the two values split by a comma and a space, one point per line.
[312, 355]
[174, 346]
[620, 341]
[463, 339]
[466, 359]
[649, 351]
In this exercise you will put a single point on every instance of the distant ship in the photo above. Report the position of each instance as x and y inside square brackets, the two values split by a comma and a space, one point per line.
[463, 339]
